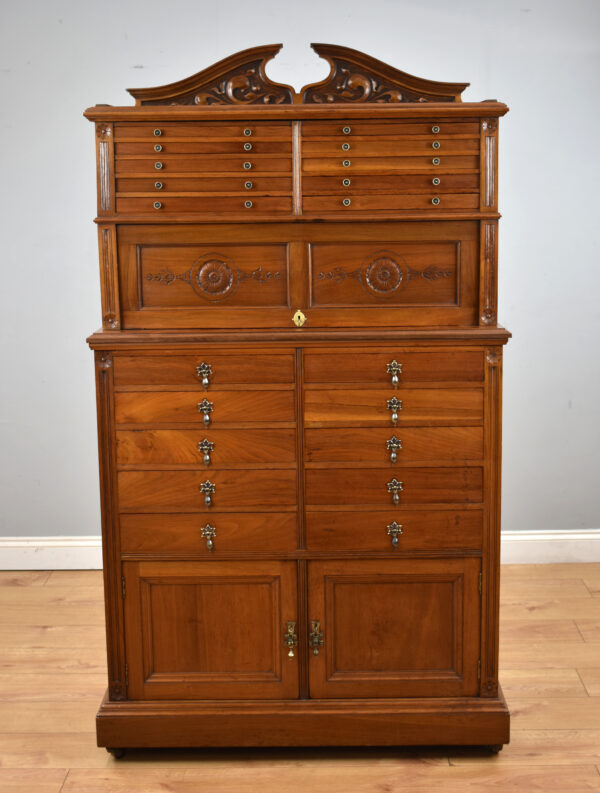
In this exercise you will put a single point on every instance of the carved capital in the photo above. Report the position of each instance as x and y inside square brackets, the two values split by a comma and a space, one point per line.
[104, 360]
[494, 356]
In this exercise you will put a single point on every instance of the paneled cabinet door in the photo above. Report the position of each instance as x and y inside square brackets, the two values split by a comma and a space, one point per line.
[210, 630]
[406, 628]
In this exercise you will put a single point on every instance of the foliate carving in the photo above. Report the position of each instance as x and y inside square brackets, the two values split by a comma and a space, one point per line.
[104, 360]
[246, 86]
[384, 273]
[356, 77]
[103, 130]
[214, 276]
[494, 356]
[489, 124]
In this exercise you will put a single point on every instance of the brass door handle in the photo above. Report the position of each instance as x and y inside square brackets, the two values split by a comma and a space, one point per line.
[315, 637]
[290, 639]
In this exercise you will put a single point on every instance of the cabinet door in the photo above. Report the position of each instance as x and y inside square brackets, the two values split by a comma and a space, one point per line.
[406, 628]
[210, 630]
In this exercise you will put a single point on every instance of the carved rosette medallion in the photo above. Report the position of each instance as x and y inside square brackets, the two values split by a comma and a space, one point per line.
[214, 278]
[383, 275]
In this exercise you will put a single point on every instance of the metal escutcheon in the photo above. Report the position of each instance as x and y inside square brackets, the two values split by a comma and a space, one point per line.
[315, 637]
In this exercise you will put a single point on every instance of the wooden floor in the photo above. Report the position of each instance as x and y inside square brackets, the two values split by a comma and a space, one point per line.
[52, 675]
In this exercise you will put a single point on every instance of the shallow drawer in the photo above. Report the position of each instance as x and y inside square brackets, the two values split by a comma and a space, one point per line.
[160, 131]
[235, 532]
[191, 407]
[183, 369]
[386, 185]
[267, 185]
[366, 203]
[152, 148]
[179, 491]
[419, 530]
[408, 445]
[205, 205]
[182, 165]
[369, 486]
[311, 129]
[349, 165]
[370, 368]
[224, 448]
[388, 148]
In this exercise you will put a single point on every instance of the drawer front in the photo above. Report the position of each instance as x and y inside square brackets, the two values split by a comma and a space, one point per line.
[371, 368]
[245, 186]
[180, 491]
[379, 446]
[415, 530]
[223, 448]
[225, 369]
[203, 163]
[234, 532]
[160, 132]
[194, 407]
[427, 406]
[364, 184]
[389, 147]
[205, 204]
[201, 145]
[348, 130]
[349, 165]
[369, 486]
[354, 202]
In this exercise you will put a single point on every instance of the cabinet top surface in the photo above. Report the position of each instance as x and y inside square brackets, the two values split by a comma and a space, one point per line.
[357, 85]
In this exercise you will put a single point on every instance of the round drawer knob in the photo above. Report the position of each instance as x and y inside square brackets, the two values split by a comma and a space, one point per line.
[346, 130]
[435, 201]
[346, 146]
[346, 163]
[436, 161]
[158, 185]
[247, 132]
[436, 180]
[346, 202]
[247, 147]
[157, 133]
[158, 147]
[435, 129]
[158, 165]
[157, 205]
[248, 204]
[436, 144]
[248, 185]
[346, 182]
[247, 166]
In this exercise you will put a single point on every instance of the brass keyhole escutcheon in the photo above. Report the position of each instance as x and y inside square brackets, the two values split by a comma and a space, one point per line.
[299, 319]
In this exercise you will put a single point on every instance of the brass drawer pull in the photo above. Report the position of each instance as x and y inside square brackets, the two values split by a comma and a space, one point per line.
[436, 161]
[248, 204]
[395, 488]
[247, 146]
[207, 408]
[157, 133]
[394, 529]
[436, 144]
[346, 202]
[345, 147]
[315, 637]
[393, 445]
[208, 488]
[290, 639]
[435, 129]
[205, 447]
[394, 368]
[247, 166]
[157, 205]
[435, 201]
[395, 405]
[248, 185]
[346, 182]
[346, 130]
[346, 163]
[204, 371]
[158, 185]
[436, 180]
[247, 132]
[209, 533]
[158, 147]
[158, 165]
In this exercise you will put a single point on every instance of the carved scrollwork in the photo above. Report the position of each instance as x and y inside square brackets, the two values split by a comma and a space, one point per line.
[247, 86]
[214, 276]
[384, 273]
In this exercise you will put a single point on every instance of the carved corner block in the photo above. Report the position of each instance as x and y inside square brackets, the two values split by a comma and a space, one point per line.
[488, 274]
[109, 280]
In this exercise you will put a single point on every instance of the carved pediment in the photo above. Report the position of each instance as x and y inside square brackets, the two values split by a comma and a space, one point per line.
[354, 77]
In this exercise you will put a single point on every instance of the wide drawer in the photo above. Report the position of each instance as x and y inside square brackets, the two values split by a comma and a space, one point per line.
[348, 129]
[151, 148]
[365, 203]
[393, 147]
[347, 165]
[224, 185]
[182, 164]
[193, 407]
[416, 530]
[224, 448]
[179, 491]
[369, 486]
[371, 368]
[410, 444]
[226, 369]
[164, 131]
[392, 184]
[205, 205]
[352, 407]
[235, 532]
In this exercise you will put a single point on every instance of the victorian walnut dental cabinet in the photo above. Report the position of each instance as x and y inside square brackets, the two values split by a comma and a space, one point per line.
[299, 393]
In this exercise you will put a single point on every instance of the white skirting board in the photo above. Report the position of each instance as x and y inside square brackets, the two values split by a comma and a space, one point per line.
[85, 553]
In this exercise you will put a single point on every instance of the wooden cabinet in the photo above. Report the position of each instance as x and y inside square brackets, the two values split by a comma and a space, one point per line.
[299, 389]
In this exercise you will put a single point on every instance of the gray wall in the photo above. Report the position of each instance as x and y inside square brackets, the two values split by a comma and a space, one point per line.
[541, 57]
